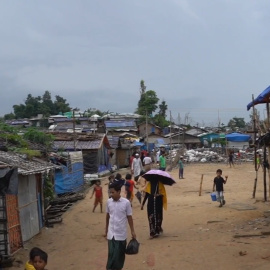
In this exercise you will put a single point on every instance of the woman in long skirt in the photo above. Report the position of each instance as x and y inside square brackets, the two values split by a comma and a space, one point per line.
[155, 193]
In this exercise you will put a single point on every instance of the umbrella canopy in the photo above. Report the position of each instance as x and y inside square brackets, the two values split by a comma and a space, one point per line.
[263, 97]
[158, 175]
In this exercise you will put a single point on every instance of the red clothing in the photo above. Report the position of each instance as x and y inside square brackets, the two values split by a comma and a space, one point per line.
[98, 191]
[130, 185]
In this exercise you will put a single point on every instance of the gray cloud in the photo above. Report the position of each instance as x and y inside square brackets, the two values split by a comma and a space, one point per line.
[205, 58]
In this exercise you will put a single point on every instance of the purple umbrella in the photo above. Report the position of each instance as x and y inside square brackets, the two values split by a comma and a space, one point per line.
[158, 175]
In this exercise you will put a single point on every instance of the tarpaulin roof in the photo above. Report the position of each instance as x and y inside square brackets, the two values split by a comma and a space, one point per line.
[138, 143]
[263, 97]
[237, 137]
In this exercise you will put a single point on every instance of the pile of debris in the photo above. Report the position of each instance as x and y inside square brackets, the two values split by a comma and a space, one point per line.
[198, 155]
[203, 156]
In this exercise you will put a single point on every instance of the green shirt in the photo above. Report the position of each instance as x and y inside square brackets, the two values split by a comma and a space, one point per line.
[181, 165]
[162, 162]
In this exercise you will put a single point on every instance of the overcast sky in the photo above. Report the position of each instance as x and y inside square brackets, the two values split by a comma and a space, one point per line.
[205, 58]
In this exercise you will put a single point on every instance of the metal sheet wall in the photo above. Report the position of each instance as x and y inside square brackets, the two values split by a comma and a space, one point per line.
[28, 206]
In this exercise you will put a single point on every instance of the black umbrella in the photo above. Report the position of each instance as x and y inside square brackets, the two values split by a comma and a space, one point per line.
[158, 175]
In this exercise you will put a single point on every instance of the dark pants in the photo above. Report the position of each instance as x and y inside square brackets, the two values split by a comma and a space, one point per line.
[181, 173]
[116, 254]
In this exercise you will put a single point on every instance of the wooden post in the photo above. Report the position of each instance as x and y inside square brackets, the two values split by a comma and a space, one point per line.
[255, 185]
[255, 150]
[264, 174]
[74, 134]
[200, 192]
[268, 158]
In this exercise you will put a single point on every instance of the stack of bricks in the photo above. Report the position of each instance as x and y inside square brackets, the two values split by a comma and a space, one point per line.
[14, 228]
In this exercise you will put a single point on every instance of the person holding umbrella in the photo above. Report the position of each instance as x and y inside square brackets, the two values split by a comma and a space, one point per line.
[155, 193]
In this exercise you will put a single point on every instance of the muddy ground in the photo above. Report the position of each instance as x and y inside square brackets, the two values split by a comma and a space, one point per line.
[197, 233]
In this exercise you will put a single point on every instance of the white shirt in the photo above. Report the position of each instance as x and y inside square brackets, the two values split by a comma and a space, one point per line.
[157, 156]
[118, 211]
[147, 160]
[136, 166]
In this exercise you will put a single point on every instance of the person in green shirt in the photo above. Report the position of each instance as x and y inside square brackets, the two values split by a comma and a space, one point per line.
[181, 168]
[162, 162]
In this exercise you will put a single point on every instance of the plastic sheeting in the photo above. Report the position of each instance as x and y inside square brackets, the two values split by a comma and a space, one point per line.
[75, 157]
[262, 98]
[90, 162]
[9, 181]
[237, 137]
[69, 179]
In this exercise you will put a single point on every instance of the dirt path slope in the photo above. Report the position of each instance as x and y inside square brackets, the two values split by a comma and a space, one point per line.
[197, 233]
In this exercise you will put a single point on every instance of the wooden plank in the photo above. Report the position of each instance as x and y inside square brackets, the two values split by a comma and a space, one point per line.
[246, 235]
[200, 192]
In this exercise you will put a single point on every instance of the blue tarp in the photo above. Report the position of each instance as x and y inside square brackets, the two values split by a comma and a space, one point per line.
[262, 98]
[237, 137]
[138, 143]
[66, 181]
[160, 141]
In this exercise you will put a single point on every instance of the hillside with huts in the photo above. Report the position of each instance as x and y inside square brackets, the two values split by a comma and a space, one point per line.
[46, 164]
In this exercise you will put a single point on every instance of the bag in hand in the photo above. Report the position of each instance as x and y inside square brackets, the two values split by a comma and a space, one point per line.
[139, 196]
[132, 247]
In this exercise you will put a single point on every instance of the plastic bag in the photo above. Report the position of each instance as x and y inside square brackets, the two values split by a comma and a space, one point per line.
[132, 247]
[139, 196]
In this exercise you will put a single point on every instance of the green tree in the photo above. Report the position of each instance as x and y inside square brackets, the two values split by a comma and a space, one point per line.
[147, 103]
[60, 105]
[33, 103]
[19, 111]
[40, 105]
[160, 121]
[236, 122]
[47, 106]
[142, 87]
[9, 116]
[163, 109]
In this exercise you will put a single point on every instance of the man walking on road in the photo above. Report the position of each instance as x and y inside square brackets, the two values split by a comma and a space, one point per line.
[136, 166]
[119, 212]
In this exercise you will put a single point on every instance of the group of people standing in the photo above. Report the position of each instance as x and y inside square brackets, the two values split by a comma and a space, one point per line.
[119, 209]
[119, 213]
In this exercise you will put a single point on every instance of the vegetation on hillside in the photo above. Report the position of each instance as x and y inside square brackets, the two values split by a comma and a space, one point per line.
[148, 104]
[39, 105]
[20, 142]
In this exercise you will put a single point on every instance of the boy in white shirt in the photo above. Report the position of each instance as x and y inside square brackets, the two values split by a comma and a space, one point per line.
[119, 213]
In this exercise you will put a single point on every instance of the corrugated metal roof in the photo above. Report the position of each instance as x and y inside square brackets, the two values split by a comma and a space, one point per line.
[84, 145]
[25, 167]
[120, 124]
[113, 141]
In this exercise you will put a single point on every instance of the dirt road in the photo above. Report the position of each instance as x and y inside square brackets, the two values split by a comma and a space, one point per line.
[197, 233]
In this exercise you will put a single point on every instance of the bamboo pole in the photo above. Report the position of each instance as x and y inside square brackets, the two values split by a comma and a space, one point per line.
[268, 148]
[200, 192]
[255, 150]
[264, 174]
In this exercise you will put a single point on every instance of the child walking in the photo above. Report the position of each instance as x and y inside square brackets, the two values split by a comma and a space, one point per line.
[98, 196]
[111, 179]
[218, 184]
[129, 185]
